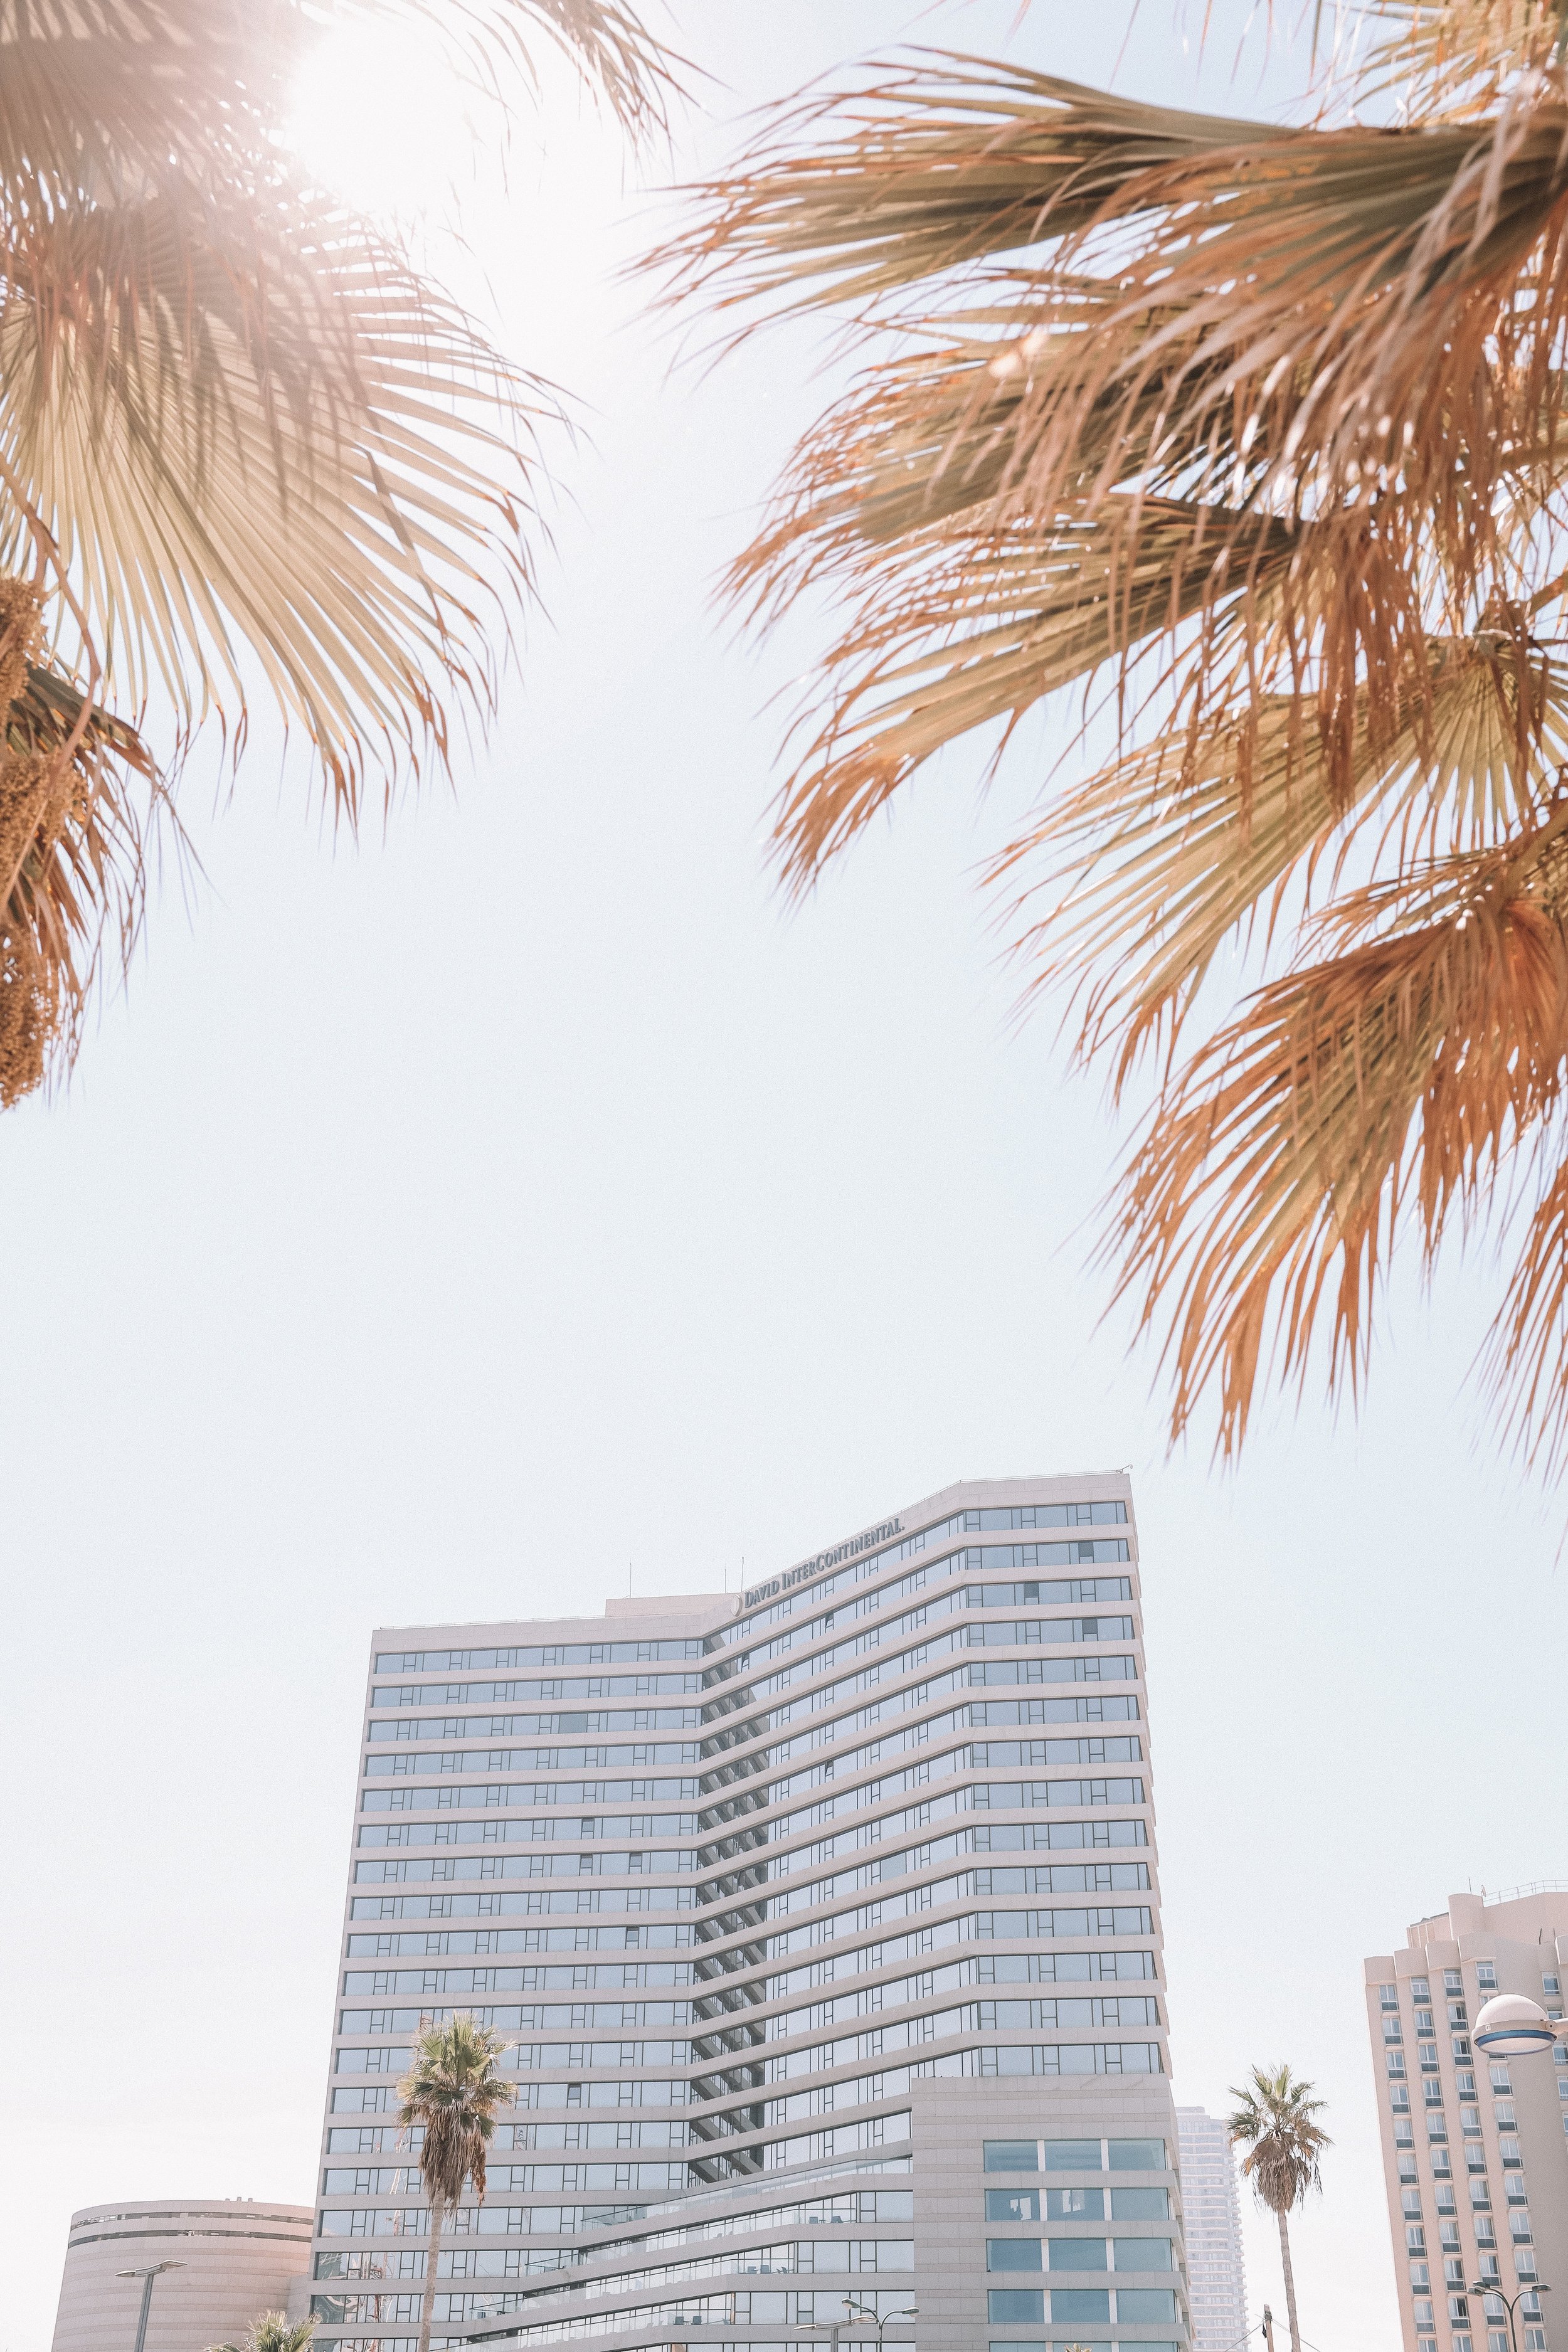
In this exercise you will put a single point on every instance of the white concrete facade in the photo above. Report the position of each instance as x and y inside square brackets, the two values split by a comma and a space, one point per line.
[1216, 2271]
[825, 1926]
[238, 2256]
[1475, 2154]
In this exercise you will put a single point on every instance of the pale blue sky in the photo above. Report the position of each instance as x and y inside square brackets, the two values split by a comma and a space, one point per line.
[444, 1224]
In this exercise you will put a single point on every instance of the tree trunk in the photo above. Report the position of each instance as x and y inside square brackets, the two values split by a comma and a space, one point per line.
[1284, 2264]
[432, 2258]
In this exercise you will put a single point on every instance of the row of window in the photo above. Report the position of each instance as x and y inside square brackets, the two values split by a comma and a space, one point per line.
[629, 1976]
[784, 2258]
[1097, 2305]
[1076, 2156]
[1067, 1922]
[1069, 2015]
[508, 2179]
[731, 2308]
[505, 1903]
[1008, 1520]
[555, 1654]
[522, 2017]
[1078, 2254]
[1092, 1749]
[1077, 2205]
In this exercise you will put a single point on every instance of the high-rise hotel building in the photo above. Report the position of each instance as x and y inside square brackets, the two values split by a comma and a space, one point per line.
[824, 1927]
[1474, 2150]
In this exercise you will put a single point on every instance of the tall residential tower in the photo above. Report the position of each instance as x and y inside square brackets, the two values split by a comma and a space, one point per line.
[824, 1927]
[1474, 2152]
[1212, 2231]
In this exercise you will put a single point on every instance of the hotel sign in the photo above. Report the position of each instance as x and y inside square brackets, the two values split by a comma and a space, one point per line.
[819, 1561]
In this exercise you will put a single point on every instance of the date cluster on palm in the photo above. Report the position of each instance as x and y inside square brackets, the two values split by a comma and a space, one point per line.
[1250, 441]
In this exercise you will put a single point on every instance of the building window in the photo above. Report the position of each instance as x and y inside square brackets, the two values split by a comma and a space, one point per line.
[1388, 1996]
[1486, 1975]
[1500, 2079]
[1452, 1980]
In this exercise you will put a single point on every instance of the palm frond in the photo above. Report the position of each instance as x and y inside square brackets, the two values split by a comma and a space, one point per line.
[1262, 431]
[852, 197]
[1266, 1195]
[1525, 1350]
[1197, 836]
[611, 47]
[250, 423]
[980, 631]
[80, 801]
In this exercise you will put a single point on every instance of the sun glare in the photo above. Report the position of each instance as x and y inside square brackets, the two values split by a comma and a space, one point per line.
[382, 117]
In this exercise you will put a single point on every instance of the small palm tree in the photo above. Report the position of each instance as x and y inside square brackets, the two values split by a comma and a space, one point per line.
[272, 2331]
[1274, 2122]
[453, 2092]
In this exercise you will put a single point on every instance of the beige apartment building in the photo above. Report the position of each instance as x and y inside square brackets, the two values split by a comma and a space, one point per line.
[823, 1925]
[230, 2257]
[1475, 2152]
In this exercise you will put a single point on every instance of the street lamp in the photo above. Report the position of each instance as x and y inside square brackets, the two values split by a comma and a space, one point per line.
[156, 2272]
[864, 2311]
[1512, 2025]
[1484, 2288]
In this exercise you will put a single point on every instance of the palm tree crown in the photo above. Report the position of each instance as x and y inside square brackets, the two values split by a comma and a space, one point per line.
[272, 2331]
[452, 2095]
[1273, 2121]
[1254, 435]
[249, 452]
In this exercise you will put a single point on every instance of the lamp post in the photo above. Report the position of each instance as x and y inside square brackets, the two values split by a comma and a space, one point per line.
[1512, 2025]
[864, 2311]
[1509, 2303]
[156, 2272]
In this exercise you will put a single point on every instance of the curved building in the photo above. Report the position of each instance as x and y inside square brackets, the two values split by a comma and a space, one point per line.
[237, 2256]
[824, 1928]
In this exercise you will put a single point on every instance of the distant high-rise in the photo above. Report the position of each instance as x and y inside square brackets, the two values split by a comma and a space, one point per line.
[1474, 2151]
[1217, 2275]
[825, 1926]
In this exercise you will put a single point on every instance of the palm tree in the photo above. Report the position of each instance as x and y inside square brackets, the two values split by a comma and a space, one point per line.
[1273, 2121]
[1254, 436]
[272, 2331]
[247, 451]
[452, 2094]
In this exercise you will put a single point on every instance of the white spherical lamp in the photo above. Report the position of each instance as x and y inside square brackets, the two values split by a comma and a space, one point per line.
[1511, 2026]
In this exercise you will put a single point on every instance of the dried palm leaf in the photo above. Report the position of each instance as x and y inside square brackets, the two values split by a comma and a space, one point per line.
[238, 434]
[852, 200]
[983, 630]
[1189, 843]
[250, 423]
[80, 796]
[1265, 430]
[1267, 1191]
